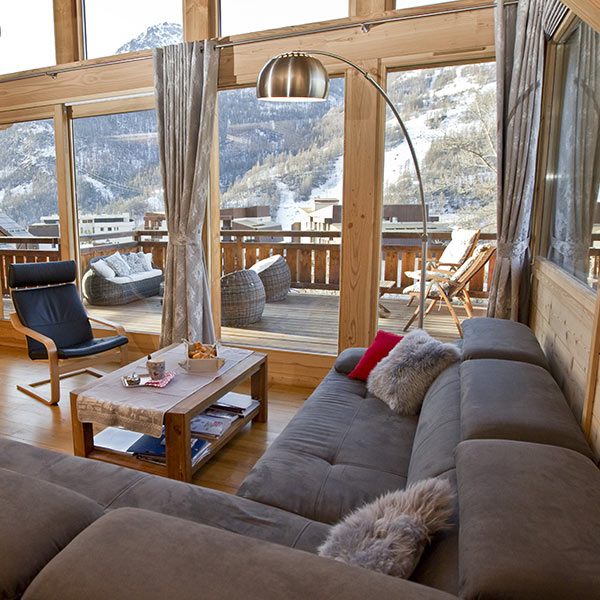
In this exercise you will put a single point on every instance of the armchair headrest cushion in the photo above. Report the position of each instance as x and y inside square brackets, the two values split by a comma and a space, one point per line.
[37, 274]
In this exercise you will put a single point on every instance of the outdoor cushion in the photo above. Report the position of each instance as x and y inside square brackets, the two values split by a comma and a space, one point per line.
[37, 520]
[102, 268]
[117, 264]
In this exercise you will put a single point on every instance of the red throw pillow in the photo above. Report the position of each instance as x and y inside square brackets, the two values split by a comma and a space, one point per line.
[379, 348]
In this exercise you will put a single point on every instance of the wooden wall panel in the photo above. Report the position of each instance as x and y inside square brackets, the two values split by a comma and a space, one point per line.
[562, 313]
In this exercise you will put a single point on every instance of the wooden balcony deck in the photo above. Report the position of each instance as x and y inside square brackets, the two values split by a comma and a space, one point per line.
[305, 322]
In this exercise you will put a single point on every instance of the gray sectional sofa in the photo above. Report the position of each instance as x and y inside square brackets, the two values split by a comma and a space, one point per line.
[526, 523]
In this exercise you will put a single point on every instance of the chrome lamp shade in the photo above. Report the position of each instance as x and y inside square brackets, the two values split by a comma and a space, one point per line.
[293, 76]
[299, 77]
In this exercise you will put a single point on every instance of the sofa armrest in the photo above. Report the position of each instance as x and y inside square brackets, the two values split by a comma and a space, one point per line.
[348, 359]
[133, 553]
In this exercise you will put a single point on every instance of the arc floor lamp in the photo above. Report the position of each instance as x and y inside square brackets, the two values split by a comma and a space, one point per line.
[299, 77]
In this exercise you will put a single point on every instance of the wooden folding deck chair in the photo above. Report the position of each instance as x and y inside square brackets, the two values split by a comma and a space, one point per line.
[50, 313]
[446, 288]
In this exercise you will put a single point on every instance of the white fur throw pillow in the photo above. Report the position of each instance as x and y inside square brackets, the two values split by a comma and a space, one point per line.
[390, 534]
[403, 377]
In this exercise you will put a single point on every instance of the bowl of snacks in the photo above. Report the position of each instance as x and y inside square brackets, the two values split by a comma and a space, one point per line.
[200, 357]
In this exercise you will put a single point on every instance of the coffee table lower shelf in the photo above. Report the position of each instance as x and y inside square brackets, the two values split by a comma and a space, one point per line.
[127, 460]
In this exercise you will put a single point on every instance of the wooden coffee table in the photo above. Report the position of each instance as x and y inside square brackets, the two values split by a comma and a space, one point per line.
[177, 421]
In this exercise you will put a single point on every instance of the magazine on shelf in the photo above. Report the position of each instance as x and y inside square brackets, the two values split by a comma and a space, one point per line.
[206, 426]
[221, 414]
[149, 447]
[162, 460]
[116, 438]
[239, 404]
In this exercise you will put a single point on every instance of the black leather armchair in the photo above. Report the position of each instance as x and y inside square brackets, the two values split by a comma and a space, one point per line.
[50, 313]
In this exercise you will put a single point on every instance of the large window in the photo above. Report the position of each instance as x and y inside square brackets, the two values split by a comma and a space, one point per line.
[119, 191]
[573, 179]
[118, 26]
[27, 39]
[281, 170]
[27, 191]
[242, 16]
[450, 114]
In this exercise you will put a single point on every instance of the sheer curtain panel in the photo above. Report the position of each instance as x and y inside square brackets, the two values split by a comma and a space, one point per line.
[185, 78]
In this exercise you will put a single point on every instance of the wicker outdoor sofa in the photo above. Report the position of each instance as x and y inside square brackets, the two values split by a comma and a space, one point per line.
[100, 290]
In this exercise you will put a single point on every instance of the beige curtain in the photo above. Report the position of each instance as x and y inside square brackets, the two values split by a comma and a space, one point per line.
[519, 58]
[578, 176]
[185, 78]
[520, 63]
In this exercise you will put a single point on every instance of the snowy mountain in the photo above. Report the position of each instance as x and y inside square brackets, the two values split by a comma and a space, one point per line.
[279, 154]
[155, 36]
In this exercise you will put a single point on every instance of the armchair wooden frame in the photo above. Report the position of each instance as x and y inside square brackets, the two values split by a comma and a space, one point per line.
[64, 368]
[444, 267]
[457, 289]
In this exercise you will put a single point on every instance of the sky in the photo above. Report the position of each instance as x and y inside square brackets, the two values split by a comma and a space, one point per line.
[27, 33]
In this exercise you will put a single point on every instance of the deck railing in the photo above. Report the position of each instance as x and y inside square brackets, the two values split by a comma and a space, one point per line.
[316, 264]
[313, 256]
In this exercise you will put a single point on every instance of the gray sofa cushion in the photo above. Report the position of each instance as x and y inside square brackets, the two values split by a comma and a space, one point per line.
[343, 448]
[37, 520]
[348, 359]
[505, 399]
[438, 567]
[499, 338]
[438, 431]
[224, 511]
[164, 557]
[529, 522]
[97, 480]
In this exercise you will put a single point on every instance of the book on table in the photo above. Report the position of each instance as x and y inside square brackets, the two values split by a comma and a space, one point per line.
[238, 404]
[152, 449]
[210, 427]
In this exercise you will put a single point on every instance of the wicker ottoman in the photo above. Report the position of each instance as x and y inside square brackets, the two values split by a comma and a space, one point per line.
[275, 274]
[242, 298]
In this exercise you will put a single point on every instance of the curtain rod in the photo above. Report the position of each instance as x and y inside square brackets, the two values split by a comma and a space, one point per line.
[364, 25]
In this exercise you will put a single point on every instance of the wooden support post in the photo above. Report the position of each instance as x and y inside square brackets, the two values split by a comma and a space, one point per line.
[65, 177]
[200, 19]
[68, 31]
[364, 117]
[366, 7]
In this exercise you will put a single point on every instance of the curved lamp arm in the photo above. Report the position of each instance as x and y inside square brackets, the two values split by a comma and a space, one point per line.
[369, 78]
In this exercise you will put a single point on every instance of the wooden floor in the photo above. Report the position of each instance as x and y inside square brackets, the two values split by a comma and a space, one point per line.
[305, 322]
[27, 420]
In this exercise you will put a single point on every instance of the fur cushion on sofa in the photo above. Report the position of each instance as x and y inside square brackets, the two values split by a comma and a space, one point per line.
[403, 377]
[390, 534]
